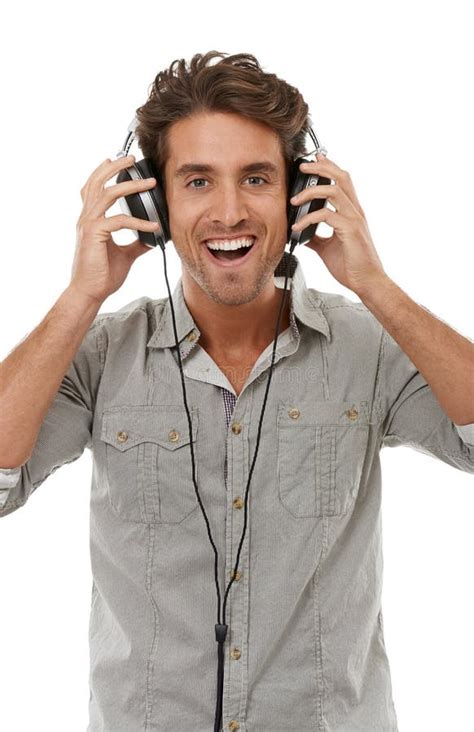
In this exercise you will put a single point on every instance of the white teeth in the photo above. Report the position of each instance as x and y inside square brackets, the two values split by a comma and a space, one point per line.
[229, 244]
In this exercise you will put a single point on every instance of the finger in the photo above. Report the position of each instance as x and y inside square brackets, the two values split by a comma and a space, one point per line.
[342, 178]
[122, 221]
[136, 248]
[331, 218]
[111, 194]
[330, 166]
[334, 194]
[104, 172]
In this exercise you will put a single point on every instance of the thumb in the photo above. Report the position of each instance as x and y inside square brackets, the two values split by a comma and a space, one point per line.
[320, 242]
[136, 249]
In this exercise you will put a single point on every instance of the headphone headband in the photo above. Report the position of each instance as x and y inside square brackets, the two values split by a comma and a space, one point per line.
[129, 138]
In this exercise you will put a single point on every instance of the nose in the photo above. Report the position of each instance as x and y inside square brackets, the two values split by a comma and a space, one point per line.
[228, 205]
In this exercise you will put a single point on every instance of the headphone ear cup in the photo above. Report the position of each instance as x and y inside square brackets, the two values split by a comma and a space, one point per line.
[149, 205]
[296, 185]
[298, 182]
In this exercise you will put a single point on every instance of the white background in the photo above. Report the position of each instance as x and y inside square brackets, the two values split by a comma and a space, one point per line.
[389, 89]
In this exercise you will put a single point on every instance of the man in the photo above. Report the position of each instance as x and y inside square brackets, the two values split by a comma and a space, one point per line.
[305, 646]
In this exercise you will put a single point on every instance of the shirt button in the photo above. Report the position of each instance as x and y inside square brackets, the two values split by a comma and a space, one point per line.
[352, 413]
[294, 413]
[191, 336]
[238, 502]
[235, 653]
[237, 574]
[236, 428]
[173, 436]
[122, 436]
[233, 724]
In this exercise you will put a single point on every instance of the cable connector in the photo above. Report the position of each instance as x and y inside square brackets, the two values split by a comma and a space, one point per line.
[221, 632]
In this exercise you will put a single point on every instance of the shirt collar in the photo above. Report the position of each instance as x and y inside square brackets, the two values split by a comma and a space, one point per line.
[305, 306]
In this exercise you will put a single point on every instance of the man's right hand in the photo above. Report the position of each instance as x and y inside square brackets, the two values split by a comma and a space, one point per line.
[100, 265]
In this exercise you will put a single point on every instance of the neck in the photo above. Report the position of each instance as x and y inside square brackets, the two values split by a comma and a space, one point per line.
[237, 329]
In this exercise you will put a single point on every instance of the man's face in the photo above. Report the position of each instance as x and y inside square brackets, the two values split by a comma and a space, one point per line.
[226, 201]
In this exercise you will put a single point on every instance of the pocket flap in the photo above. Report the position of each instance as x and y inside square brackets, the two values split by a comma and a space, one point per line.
[326, 412]
[166, 425]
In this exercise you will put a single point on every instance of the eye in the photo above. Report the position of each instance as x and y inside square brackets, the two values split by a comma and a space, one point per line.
[251, 177]
[194, 181]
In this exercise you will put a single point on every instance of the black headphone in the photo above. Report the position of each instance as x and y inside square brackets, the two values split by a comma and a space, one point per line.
[151, 205]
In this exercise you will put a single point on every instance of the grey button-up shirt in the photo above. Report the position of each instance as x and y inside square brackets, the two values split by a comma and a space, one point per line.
[305, 647]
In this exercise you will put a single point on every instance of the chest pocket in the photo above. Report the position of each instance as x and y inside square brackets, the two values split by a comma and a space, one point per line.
[148, 462]
[321, 452]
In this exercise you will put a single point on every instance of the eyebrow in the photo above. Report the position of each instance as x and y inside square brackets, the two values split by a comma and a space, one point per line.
[263, 166]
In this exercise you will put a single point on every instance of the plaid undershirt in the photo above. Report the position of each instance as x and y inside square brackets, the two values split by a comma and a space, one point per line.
[229, 404]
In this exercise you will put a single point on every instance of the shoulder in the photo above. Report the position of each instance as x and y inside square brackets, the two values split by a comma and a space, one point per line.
[346, 315]
[137, 317]
[141, 306]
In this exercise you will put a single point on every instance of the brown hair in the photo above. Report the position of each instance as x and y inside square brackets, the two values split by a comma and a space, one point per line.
[234, 84]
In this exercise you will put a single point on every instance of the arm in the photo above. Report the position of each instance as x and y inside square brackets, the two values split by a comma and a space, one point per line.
[425, 387]
[444, 357]
[49, 382]
[31, 374]
[66, 429]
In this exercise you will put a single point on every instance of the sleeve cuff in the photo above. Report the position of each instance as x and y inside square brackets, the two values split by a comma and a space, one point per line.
[9, 477]
[466, 432]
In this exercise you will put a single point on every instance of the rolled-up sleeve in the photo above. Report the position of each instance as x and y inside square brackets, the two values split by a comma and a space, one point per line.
[9, 478]
[466, 431]
[66, 429]
[411, 415]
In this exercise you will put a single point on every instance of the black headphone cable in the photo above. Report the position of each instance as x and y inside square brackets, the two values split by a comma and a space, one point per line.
[221, 627]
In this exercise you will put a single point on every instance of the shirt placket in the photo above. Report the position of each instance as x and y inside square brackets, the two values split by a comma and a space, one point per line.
[237, 606]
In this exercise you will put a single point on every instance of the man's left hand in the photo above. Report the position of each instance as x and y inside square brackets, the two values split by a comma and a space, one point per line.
[349, 254]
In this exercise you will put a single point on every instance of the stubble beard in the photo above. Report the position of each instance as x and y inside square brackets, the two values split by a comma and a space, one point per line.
[233, 289]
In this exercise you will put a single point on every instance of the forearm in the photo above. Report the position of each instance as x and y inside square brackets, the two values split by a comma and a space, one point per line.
[444, 358]
[31, 374]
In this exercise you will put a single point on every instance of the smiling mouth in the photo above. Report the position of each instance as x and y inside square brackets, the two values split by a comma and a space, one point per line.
[231, 254]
